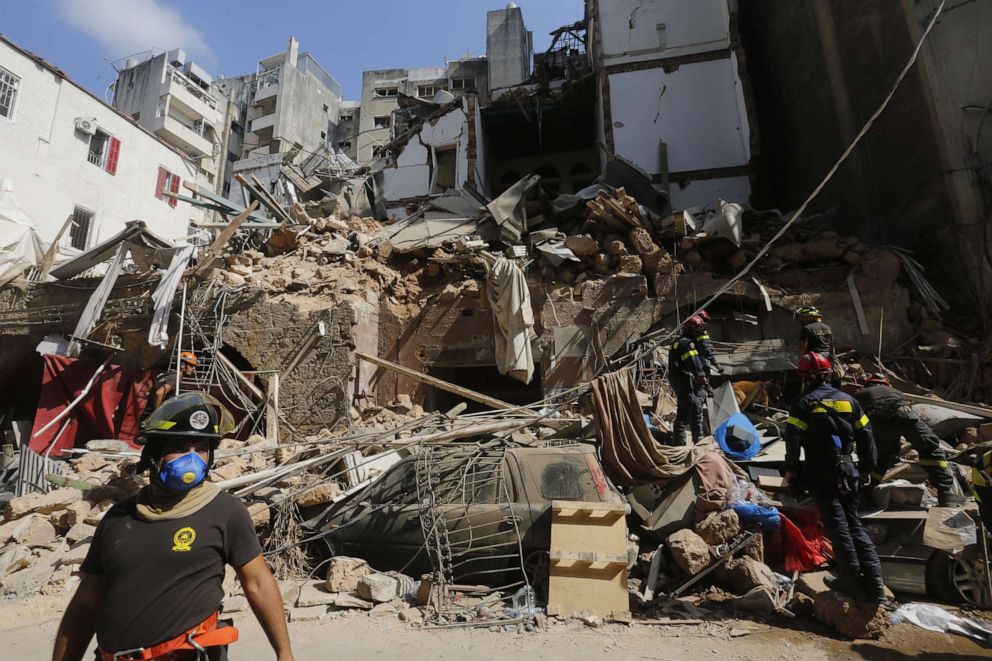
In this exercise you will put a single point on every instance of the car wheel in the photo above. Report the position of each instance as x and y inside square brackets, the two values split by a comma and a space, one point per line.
[537, 566]
[958, 578]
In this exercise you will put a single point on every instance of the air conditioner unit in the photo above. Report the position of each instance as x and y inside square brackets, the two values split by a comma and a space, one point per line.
[86, 125]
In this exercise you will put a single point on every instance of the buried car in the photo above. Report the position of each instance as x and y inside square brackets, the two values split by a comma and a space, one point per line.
[481, 511]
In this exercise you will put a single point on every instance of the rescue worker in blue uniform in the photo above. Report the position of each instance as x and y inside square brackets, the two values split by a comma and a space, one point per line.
[828, 425]
[688, 379]
[705, 347]
[892, 418]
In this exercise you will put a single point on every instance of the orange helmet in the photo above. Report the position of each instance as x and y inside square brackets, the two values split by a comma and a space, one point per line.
[813, 364]
[189, 358]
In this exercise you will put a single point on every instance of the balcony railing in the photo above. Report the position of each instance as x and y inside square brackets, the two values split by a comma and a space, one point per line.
[95, 159]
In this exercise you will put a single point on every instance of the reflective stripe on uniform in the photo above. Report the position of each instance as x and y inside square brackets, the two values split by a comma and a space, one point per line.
[862, 422]
[704, 336]
[690, 353]
[796, 422]
[165, 424]
[837, 405]
[934, 462]
[676, 345]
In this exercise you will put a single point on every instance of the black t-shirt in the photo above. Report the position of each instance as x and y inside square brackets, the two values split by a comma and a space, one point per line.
[819, 338]
[161, 578]
[881, 400]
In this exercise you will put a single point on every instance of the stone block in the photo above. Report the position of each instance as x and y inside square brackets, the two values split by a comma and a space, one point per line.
[75, 555]
[690, 552]
[719, 527]
[746, 574]
[379, 588]
[259, 513]
[81, 532]
[320, 494]
[616, 247]
[812, 583]
[582, 245]
[985, 432]
[13, 558]
[107, 445]
[629, 264]
[97, 511]
[384, 610]
[74, 514]
[757, 600]
[343, 573]
[313, 593]
[849, 617]
[34, 530]
[42, 503]
[350, 600]
[642, 242]
[89, 463]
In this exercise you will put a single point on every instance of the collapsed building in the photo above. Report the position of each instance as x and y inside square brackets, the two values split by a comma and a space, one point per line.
[503, 277]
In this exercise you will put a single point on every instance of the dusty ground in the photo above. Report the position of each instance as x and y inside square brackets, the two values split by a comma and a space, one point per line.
[27, 628]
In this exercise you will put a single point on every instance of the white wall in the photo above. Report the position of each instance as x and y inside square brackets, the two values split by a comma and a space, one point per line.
[411, 175]
[631, 31]
[697, 110]
[45, 157]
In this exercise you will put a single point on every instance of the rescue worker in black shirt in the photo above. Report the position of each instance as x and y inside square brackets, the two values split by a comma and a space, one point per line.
[688, 379]
[827, 424]
[891, 418]
[705, 347]
[164, 385]
[817, 337]
[152, 582]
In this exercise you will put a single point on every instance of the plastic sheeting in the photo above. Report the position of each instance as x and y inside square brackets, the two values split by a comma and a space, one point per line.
[513, 318]
[935, 618]
[112, 409]
[164, 294]
[738, 438]
[20, 245]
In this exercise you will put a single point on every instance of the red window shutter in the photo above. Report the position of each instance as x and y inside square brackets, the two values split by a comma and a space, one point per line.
[160, 186]
[174, 188]
[112, 155]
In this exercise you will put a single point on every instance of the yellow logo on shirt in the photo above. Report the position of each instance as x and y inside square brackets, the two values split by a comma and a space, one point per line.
[183, 539]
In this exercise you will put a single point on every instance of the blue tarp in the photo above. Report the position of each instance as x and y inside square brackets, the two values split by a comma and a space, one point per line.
[738, 438]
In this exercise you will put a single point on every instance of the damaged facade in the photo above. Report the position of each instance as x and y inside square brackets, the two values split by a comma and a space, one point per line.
[449, 306]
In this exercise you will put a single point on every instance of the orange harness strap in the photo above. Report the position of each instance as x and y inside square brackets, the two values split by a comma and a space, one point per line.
[205, 634]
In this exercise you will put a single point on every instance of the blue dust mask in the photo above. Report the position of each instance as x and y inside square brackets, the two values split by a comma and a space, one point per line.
[183, 473]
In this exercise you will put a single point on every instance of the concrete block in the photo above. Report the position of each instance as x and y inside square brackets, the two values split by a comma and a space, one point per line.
[75, 555]
[343, 573]
[379, 588]
[849, 617]
[384, 610]
[746, 574]
[630, 264]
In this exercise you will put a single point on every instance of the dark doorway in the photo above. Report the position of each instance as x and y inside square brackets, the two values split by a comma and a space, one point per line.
[484, 379]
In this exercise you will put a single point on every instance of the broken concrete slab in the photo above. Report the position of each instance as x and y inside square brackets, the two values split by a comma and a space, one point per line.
[306, 613]
[81, 532]
[746, 574]
[42, 503]
[33, 530]
[14, 558]
[75, 555]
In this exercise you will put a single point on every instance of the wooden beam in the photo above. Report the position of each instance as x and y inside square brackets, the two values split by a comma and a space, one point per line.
[262, 197]
[222, 238]
[437, 383]
[49, 258]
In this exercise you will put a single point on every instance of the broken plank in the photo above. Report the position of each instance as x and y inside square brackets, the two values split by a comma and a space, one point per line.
[266, 201]
[437, 383]
[222, 238]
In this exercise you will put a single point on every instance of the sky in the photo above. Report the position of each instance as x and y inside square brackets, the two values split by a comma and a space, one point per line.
[83, 37]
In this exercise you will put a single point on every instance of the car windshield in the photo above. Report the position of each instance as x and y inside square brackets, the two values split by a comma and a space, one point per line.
[564, 477]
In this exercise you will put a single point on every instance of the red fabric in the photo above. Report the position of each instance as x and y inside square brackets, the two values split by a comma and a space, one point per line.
[113, 154]
[112, 408]
[805, 545]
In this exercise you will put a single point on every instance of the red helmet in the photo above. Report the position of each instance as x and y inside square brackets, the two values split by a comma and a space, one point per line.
[694, 324]
[813, 364]
[704, 315]
[877, 378]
